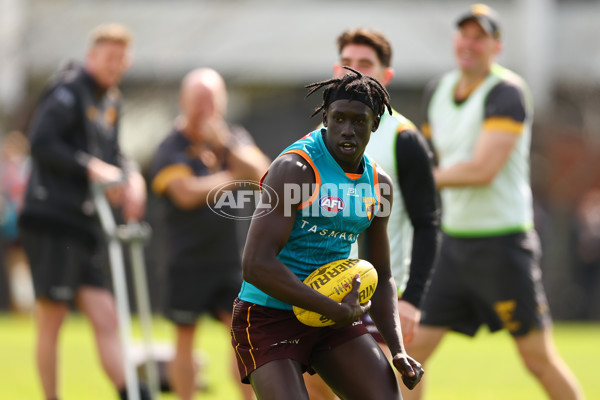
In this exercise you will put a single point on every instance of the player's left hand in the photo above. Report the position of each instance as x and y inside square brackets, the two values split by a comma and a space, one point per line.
[410, 369]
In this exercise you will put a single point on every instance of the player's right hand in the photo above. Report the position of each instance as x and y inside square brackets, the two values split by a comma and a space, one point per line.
[351, 310]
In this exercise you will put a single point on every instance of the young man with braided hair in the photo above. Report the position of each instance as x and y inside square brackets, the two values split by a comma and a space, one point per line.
[399, 149]
[283, 247]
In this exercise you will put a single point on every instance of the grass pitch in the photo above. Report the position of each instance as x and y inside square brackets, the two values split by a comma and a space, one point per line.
[486, 367]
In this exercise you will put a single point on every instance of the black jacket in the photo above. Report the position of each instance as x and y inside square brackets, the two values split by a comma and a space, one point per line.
[75, 119]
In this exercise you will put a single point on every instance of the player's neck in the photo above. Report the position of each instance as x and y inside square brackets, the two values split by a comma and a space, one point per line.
[468, 82]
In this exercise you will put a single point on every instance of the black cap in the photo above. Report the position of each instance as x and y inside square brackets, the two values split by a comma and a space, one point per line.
[485, 16]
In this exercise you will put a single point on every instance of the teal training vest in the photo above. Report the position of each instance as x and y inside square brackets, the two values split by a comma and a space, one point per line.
[329, 222]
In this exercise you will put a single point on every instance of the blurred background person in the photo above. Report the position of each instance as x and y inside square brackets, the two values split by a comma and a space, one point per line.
[14, 173]
[413, 227]
[201, 153]
[74, 143]
[478, 118]
[586, 254]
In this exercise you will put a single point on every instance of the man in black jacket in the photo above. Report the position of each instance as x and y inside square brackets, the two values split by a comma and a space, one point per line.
[74, 142]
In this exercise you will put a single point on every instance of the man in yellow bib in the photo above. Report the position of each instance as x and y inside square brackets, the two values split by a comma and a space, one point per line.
[478, 119]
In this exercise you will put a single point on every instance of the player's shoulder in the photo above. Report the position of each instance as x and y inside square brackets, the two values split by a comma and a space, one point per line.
[505, 92]
[174, 138]
[509, 95]
[290, 161]
[173, 142]
[64, 86]
[510, 84]
[174, 149]
[291, 167]
[406, 130]
[63, 95]
[410, 138]
[308, 147]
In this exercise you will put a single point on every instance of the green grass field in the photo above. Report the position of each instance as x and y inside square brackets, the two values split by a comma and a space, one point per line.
[486, 367]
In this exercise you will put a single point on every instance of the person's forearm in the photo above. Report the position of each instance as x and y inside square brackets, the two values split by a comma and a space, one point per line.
[271, 276]
[192, 192]
[384, 312]
[463, 174]
[490, 154]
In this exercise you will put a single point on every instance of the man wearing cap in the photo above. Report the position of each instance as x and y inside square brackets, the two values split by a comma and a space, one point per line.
[478, 118]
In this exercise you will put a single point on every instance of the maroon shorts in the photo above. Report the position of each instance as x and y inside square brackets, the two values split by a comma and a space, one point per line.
[262, 334]
[371, 328]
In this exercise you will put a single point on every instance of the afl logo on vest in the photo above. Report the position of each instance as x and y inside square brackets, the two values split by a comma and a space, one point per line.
[331, 203]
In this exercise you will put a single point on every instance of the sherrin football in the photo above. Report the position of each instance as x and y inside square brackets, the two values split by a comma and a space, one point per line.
[334, 280]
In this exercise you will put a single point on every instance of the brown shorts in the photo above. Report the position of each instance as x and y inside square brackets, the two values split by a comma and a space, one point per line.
[262, 334]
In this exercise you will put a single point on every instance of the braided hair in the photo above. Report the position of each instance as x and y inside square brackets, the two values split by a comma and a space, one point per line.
[353, 86]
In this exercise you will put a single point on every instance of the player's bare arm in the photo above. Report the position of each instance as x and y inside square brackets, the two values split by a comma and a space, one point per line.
[491, 153]
[268, 234]
[384, 309]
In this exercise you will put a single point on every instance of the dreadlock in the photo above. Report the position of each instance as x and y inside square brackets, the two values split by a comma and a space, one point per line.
[353, 86]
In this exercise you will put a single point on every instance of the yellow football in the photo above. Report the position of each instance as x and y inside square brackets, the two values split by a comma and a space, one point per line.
[334, 280]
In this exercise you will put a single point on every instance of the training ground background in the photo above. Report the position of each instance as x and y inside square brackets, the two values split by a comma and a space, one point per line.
[484, 368]
[267, 51]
